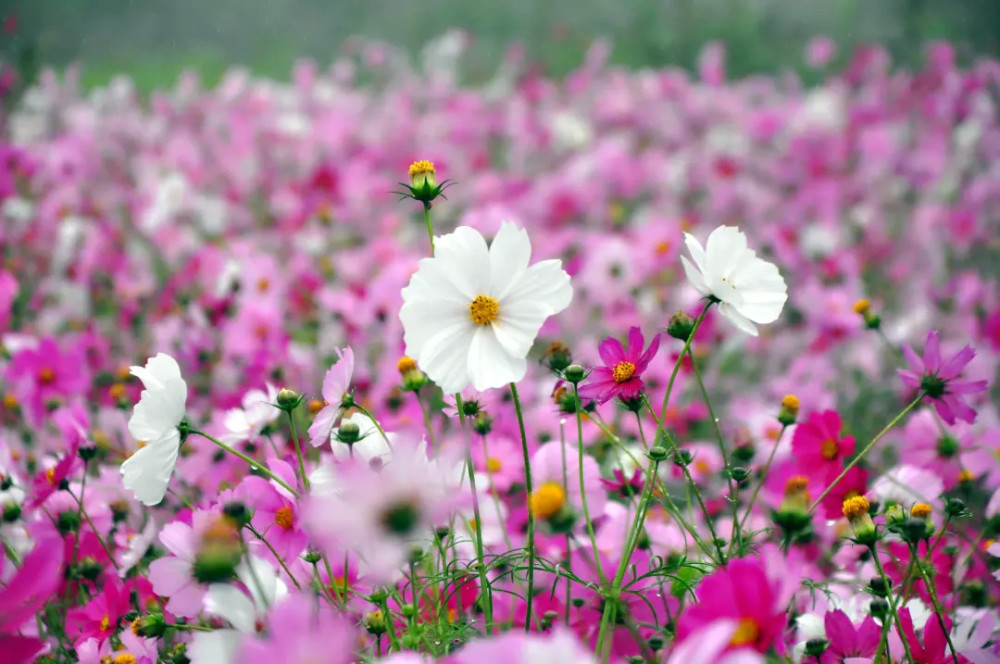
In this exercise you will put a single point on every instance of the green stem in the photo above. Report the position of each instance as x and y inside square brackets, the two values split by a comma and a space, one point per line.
[932, 591]
[677, 365]
[298, 450]
[613, 592]
[253, 464]
[277, 557]
[763, 477]
[531, 514]
[371, 417]
[583, 493]
[892, 601]
[733, 486]
[867, 449]
[90, 523]
[430, 227]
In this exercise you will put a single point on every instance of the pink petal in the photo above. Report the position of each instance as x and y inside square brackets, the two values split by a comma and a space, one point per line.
[611, 351]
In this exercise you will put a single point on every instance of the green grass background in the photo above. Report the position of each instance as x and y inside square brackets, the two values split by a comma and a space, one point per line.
[154, 40]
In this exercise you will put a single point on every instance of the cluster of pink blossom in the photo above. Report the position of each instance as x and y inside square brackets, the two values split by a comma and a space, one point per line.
[259, 407]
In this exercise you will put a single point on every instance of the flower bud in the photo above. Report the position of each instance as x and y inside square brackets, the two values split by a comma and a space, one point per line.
[422, 174]
[916, 529]
[738, 473]
[657, 453]
[87, 452]
[238, 513]
[219, 553]
[856, 511]
[482, 424]
[11, 512]
[864, 309]
[793, 514]
[954, 507]
[152, 625]
[680, 326]
[558, 356]
[683, 458]
[879, 608]
[315, 405]
[312, 557]
[789, 410]
[574, 373]
[877, 587]
[375, 622]
[289, 400]
[655, 643]
[348, 432]
[68, 521]
[816, 647]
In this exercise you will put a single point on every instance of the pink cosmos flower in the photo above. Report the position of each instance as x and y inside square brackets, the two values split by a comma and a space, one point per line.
[854, 483]
[622, 374]
[299, 630]
[818, 446]
[933, 649]
[335, 385]
[50, 480]
[24, 595]
[742, 592]
[937, 379]
[142, 650]
[173, 576]
[99, 618]
[275, 516]
[846, 640]
[44, 374]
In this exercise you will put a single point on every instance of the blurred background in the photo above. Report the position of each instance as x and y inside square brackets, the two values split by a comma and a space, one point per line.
[154, 40]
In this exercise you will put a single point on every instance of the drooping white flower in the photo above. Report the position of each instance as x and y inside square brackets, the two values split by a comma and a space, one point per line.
[154, 423]
[257, 412]
[471, 312]
[243, 612]
[749, 289]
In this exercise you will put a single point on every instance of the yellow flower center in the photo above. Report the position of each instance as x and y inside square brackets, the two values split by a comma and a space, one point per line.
[855, 507]
[50, 475]
[406, 364]
[796, 484]
[547, 500]
[623, 371]
[315, 406]
[10, 401]
[662, 247]
[484, 310]
[862, 306]
[493, 465]
[46, 375]
[421, 173]
[920, 510]
[829, 449]
[791, 402]
[284, 518]
[702, 466]
[746, 632]
[105, 623]
[116, 391]
[966, 476]
[125, 658]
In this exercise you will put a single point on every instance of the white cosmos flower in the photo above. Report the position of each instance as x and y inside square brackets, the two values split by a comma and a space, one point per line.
[471, 312]
[154, 423]
[226, 601]
[750, 290]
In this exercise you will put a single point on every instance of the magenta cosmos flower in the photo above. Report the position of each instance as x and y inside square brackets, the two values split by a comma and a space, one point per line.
[621, 375]
[936, 378]
[742, 592]
[819, 448]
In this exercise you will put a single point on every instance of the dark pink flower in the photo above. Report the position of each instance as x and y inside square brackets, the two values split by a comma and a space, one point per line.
[936, 379]
[933, 650]
[621, 375]
[742, 592]
[30, 588]
[99, 618]
[818, 446]
[846, 640]
[855, 483]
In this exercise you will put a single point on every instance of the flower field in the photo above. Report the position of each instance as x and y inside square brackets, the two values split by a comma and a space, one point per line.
[626, 366]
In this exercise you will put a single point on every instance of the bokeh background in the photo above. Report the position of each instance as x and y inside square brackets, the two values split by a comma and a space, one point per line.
[154, 40]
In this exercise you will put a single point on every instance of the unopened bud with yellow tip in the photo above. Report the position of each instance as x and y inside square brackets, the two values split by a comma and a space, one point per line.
[863, 308]
[413, 377]
[793, 514]
[856, 511]
[423, 185]
[789, 410]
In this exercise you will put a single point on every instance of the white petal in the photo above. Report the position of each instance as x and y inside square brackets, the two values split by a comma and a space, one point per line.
[158, 370]
[159, 410]
[696, 250]
[147, 472]
[509, 256]
[518, 325]
[423, 320]
[467, 258]
[261, 579]
[490, 366]
[232, 604]
[694, 277]
[445, 357]
[218, 647]
[737, 319]
[723, 250]
[544, 282]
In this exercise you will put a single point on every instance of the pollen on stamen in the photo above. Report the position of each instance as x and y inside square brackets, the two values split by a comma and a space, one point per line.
[622, 372]
[484, 310]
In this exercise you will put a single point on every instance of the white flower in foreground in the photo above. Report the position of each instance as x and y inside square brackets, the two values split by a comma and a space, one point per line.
[750, 290]
[471, 313]
[242, 612]
[154, 423]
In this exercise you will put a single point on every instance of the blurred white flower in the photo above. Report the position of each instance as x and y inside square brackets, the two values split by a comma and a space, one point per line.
[749, 289]
[154, 423]
[258, 410]
[471, 312]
